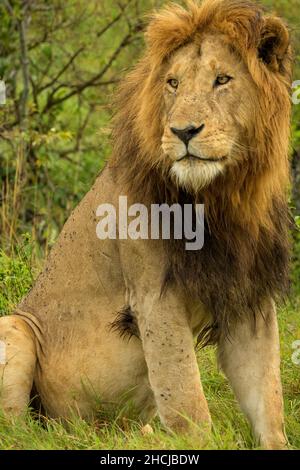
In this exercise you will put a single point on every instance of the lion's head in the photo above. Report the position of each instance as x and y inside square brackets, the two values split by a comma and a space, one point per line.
[208, 106]
[205, 116]
[209, 111]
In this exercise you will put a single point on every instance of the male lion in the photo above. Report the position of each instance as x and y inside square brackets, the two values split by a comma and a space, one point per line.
[203, 117]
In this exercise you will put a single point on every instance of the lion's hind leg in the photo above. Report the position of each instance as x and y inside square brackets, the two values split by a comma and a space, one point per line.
[17, 364]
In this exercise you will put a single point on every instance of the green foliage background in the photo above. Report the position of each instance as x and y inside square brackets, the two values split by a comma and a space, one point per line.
[54, 129]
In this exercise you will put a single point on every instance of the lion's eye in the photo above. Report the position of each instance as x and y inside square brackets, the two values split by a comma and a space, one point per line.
[222, 80]
[173, 83]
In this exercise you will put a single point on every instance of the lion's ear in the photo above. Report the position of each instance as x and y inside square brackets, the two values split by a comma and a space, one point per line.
[274, 46]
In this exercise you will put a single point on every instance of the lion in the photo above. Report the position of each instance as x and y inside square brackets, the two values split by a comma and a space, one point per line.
[204, 117]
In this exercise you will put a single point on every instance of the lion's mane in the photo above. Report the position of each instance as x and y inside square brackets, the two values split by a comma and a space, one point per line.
[246, 253]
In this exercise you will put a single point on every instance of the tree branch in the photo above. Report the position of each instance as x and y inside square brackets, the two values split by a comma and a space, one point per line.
[91, 82]
[22, 27]
[60, 73]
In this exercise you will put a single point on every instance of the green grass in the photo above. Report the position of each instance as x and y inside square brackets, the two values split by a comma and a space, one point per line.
[230, 429]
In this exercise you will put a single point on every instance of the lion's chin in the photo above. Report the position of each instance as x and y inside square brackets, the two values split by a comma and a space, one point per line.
[194, 177]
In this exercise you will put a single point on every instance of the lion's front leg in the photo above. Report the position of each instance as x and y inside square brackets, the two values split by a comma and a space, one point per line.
[251, 361]
[172, 366]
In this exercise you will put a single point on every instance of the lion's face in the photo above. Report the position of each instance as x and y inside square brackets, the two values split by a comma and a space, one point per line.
[209, 96]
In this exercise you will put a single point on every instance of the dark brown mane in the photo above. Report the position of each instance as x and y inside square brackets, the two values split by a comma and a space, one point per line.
[235, 271]
[245, 258]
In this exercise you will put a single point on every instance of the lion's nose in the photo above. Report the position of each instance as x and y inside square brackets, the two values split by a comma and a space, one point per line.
[188, 133]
